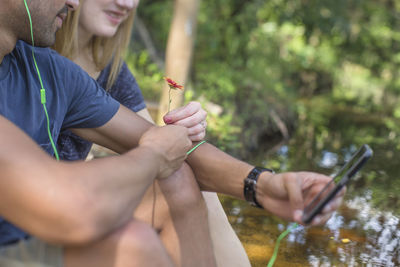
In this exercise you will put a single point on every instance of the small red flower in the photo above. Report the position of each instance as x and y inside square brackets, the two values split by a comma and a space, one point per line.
[172, 84]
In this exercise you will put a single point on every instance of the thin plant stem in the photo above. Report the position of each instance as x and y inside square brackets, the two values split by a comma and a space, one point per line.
[153, 214]
[169, 102]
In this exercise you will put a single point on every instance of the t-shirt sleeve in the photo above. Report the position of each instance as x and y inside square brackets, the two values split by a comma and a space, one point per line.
[126, 90]
[90, 105]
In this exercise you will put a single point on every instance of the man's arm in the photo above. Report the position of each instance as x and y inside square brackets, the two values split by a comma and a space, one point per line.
[283, 194]
[81, 201]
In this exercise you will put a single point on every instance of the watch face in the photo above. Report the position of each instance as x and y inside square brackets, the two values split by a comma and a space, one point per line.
[250, 183]
[248, 189]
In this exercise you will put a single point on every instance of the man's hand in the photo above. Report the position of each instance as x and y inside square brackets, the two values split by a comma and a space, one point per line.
[171, 143]
[286, 194]
[191, 116]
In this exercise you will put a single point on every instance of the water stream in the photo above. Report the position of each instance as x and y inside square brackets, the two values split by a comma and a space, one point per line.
[369, 217]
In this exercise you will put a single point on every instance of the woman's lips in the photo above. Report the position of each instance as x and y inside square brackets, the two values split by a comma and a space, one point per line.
[115, 17]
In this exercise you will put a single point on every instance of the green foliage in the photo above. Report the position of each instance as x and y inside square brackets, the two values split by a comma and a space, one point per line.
[222, 133]
[157, 15]
[356, 84]
[254, 57]
[329, 69]
[147, 74]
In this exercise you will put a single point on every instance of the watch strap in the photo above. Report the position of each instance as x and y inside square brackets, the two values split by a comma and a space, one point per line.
[250, 185]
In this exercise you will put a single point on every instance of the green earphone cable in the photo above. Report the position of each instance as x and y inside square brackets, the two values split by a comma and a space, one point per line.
[278, 241]
[196, 146]
[42, 90]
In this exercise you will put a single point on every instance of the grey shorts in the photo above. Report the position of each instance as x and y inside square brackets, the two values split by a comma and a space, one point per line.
[31, 253]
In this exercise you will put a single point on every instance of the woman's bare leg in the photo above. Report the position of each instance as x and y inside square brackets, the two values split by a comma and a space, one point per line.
[227, 247]
[181, 219]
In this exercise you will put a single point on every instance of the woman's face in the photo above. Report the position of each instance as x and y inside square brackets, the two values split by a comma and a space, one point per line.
[103, 17]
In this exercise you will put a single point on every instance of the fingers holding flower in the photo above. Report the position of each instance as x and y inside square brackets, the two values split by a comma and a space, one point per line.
[192, 116]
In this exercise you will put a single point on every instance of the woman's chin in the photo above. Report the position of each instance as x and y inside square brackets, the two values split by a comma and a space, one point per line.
[107, 33]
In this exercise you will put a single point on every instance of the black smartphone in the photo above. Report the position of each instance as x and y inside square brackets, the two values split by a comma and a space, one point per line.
[339, 180]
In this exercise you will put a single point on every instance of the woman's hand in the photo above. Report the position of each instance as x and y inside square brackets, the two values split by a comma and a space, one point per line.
[191, 116]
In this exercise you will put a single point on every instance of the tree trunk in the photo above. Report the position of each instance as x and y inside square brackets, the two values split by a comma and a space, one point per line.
[179, 52]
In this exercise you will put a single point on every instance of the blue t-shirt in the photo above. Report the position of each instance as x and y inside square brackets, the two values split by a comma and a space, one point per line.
[125, 90]
[74, 100]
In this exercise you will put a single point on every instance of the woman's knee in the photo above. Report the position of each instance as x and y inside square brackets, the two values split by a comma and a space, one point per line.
[182, 191]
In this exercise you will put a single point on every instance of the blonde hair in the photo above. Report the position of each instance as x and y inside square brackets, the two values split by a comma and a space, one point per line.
[104, 50]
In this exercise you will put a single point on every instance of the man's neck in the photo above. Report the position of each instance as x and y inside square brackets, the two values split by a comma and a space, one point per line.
[7, 43]
[8, 38]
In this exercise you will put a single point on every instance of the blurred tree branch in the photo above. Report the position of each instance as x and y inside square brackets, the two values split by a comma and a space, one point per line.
[148, 42]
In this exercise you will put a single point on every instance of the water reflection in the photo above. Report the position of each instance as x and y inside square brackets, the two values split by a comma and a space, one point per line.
[373, 236]
[328, 160]
[383, 234]
[369, 217]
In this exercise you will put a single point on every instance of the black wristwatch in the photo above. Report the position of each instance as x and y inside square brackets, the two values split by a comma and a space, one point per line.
[250, 185]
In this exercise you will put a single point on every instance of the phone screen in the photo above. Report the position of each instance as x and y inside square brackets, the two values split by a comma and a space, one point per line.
[339, 180]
